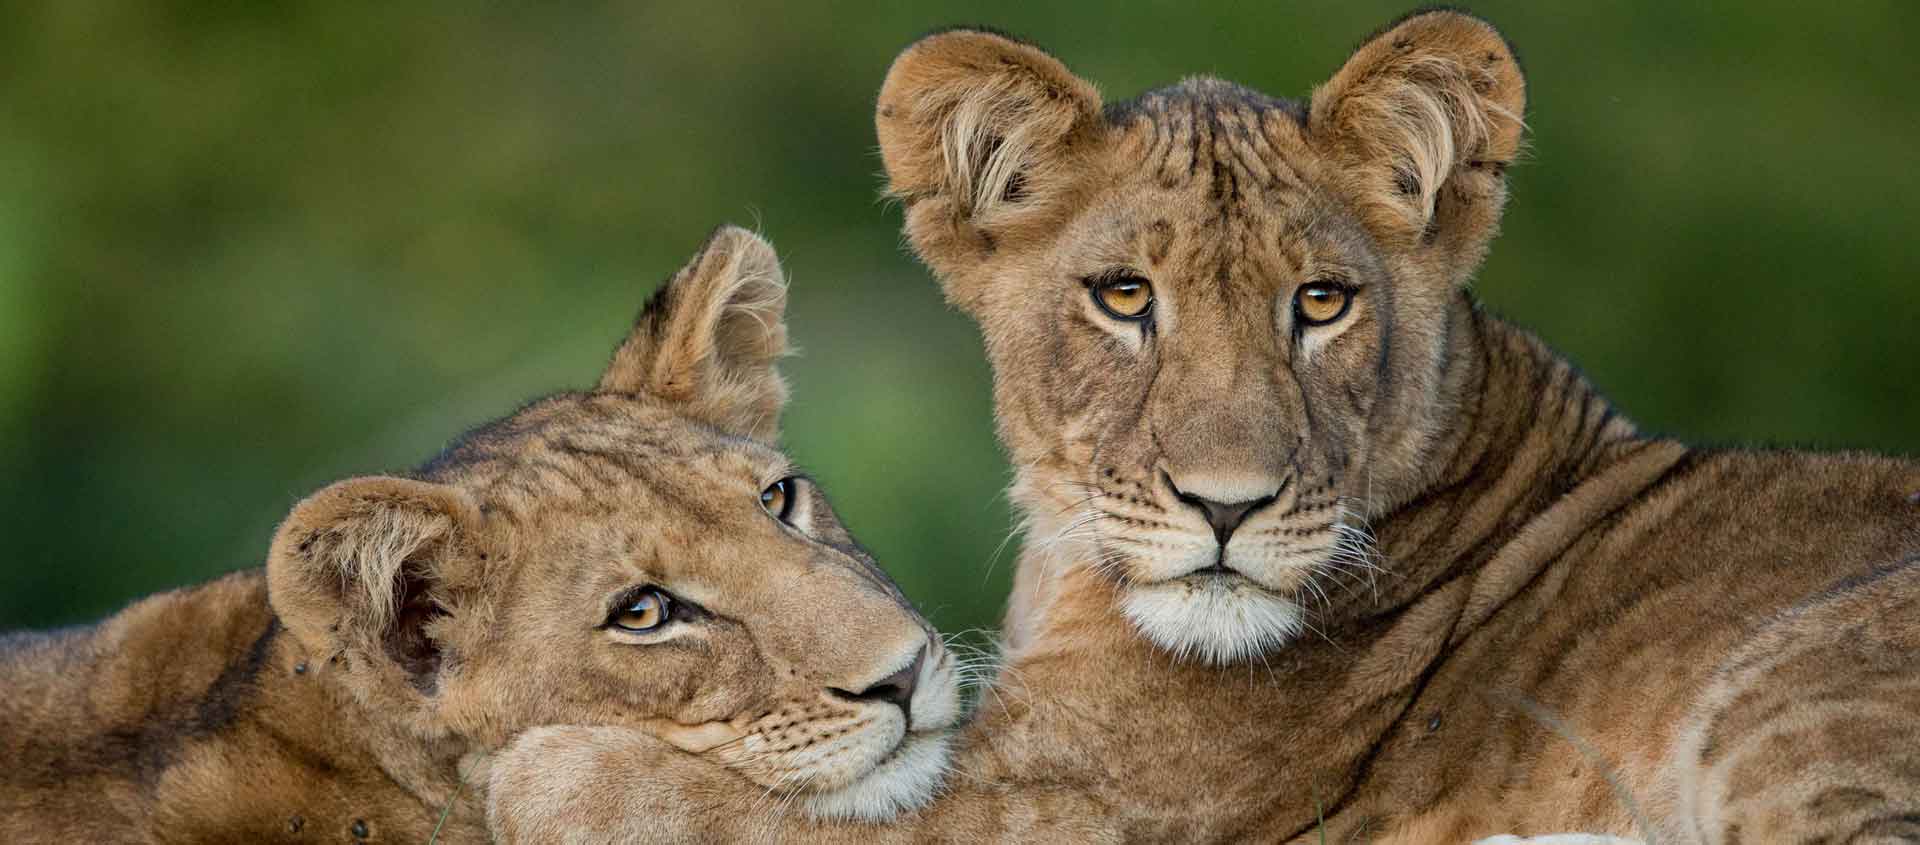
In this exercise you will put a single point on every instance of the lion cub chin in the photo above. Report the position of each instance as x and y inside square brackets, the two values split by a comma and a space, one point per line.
[1217, 620]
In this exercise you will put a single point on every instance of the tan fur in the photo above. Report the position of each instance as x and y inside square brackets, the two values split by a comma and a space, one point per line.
[1517, 614]
[405, 628]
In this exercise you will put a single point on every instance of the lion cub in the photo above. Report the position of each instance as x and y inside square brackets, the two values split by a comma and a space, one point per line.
[635, 555]
[1321, 551]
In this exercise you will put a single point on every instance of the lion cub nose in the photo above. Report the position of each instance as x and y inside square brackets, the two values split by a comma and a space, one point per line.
[1223, 517]
[896, 688]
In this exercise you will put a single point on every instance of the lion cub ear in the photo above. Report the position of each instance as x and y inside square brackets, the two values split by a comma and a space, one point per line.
[979, 134]
[365, 570]
[709, 341]
[1424, 119]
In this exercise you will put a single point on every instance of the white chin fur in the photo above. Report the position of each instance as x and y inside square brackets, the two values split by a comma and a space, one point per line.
[1213, 622]
[902, 783]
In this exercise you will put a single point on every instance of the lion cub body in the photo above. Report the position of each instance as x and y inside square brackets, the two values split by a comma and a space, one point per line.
[1398, 568]
[192, 716]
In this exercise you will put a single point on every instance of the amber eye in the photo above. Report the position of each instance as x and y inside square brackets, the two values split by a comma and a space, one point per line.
[778, 499]
[647, 612]
[1124, 297]
[1320, 303]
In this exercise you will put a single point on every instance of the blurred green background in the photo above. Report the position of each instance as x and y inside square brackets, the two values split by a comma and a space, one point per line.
[247, 248]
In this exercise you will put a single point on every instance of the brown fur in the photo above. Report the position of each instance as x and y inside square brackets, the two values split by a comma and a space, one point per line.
[1519, 615]
[404, 628]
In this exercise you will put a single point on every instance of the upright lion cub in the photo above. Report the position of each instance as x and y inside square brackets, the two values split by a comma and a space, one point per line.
[1321, 551]
[633, 555]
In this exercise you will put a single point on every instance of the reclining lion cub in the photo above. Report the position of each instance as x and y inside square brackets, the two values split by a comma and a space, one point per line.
[634, 555]
[1229, 334]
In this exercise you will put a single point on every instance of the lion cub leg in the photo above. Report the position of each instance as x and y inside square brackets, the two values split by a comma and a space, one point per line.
[585, 785]
[1811, 731]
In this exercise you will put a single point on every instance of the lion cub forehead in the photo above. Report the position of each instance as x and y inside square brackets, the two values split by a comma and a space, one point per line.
[1186, 239]
[599, 449]
[1212, 135]
[1208, 173]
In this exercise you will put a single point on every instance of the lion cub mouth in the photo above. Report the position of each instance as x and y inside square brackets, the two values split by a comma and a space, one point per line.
[1219, 569]
[841, 759]
[1223, 604]
[901, 778]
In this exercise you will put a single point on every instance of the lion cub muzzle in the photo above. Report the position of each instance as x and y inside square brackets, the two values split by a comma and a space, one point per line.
[866, 748]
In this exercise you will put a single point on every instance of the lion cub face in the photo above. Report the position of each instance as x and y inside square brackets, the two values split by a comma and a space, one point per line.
[1216, 318]
[635, 556]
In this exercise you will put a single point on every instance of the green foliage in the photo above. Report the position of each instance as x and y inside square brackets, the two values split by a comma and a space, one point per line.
[249, 248]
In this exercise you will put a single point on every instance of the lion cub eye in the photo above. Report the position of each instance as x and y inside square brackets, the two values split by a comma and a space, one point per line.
[1124, 297]
[778, 499]
[1320, 303]
[647, 612]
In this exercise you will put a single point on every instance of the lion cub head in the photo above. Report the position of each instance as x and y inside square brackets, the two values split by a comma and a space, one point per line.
[1218, 320]
[634, 555]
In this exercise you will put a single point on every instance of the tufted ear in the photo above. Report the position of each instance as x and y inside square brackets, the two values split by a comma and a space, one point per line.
[709, 340]
[979, 133]
[364, 571]
[1424, 119]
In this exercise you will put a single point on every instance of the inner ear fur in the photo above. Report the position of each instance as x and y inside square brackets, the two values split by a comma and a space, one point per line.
[979, 134]
[364, 569]
[1423, 120]
[709, 341]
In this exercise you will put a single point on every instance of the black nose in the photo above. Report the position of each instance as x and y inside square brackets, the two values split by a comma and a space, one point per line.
[896, 688]
[1224, 517]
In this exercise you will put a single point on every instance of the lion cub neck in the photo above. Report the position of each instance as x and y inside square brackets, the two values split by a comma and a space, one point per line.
[191, 717]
